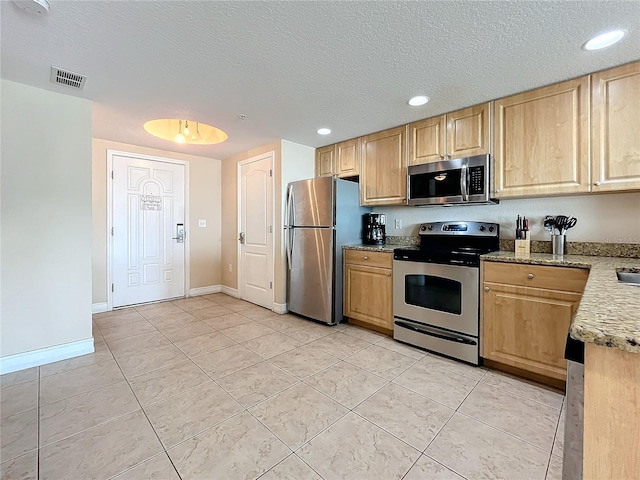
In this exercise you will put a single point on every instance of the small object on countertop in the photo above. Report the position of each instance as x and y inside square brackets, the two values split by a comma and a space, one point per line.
[523, 243]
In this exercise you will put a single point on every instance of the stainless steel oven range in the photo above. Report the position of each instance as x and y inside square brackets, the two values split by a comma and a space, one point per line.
[436, 288]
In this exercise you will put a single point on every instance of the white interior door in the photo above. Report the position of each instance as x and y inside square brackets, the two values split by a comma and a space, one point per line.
[256, 231]
[148, 257]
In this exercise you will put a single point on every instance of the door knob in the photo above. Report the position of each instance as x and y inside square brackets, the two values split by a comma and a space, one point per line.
[241, 238]
[486, 289]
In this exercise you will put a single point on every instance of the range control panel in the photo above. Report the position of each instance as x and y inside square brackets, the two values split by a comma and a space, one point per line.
[460, 228]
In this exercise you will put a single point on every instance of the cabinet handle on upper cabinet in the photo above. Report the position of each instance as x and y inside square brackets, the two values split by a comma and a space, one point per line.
[530, 276]
[442, 156]
[448, 155]
[486, 289]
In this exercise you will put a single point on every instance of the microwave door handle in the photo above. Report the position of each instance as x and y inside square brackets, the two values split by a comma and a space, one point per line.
[464, 188]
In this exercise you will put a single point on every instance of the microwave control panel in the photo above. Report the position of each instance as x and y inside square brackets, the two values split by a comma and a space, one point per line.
[476, 186]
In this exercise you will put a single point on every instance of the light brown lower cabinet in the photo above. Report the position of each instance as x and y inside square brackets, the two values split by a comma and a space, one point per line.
[525, 327]
[368, 290]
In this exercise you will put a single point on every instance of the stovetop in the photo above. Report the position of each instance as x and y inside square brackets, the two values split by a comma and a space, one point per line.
[452, 243]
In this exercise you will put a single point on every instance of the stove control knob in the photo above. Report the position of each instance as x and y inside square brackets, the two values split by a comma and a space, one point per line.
[482, 228]
[423, 228]
[491, 229]
[430, 227]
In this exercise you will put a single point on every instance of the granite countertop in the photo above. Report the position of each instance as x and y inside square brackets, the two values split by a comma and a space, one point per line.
[373, 248]
[609, 312]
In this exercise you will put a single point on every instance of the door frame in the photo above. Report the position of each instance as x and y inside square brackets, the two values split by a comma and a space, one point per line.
[270, 155]
[110, 257]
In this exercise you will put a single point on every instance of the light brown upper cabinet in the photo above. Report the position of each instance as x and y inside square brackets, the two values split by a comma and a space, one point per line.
[348, 158]
[383, 175]
[462, 133]
[542, 141]
[324, 160]
[615, 124]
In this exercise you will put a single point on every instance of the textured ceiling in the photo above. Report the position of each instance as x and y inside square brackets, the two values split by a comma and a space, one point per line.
[293, 67]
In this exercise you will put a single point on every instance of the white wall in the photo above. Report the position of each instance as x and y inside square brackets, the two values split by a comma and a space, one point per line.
[609, 218]
[46, 219]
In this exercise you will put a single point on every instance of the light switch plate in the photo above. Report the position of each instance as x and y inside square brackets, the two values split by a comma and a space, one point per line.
[202, 223]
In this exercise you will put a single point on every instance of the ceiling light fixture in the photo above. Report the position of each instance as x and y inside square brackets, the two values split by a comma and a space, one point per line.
[324, 131]
[418, 100]
[604, 40]
[171, 129]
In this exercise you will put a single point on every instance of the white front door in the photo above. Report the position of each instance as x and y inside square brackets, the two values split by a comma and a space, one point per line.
[256, 231]
[148, 209]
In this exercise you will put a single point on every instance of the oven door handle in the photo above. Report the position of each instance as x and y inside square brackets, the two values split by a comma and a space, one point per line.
[435, 333]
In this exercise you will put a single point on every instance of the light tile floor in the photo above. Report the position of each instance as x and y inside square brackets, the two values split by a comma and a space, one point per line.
[216, 388]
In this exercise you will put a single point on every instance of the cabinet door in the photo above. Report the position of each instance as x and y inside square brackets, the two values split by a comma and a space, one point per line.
[542, 141]
[367, 295]
[348, 158]
[426, 140]
[527, 327]
[383, 176]
[325, 160]
[616, 128]
[468, 131]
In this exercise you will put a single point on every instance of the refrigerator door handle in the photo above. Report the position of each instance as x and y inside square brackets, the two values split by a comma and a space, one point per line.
[290, 233]
[287, 212]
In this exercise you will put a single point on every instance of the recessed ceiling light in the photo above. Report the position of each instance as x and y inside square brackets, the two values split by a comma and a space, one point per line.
[604, 40]
[418, 100]
[185, 131]
[324, 131]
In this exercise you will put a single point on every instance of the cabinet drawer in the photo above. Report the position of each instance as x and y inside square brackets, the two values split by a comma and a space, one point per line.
[552, 278]
[372, 259]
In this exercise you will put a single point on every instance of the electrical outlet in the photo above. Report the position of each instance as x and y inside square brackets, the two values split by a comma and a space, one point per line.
[202, 223]
[398, 223]
[230, 268]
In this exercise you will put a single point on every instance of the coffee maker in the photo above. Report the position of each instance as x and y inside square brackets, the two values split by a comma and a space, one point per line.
[373, 228]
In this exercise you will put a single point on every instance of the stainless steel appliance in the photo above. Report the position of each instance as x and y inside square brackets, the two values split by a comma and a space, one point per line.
[321, 215]
[436, 288]
[457, 181]
[373, 228]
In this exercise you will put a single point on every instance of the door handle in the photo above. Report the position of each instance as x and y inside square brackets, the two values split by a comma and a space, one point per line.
[464, 189]
[179, 233]
[241, 238]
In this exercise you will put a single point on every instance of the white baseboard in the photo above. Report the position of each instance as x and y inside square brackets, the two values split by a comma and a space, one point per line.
[280, 308]
[35, 358]
[233, 292]
[99, 307]
[194, 292]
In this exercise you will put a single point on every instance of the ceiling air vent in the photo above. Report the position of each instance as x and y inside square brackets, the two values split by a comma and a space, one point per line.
[65, 77]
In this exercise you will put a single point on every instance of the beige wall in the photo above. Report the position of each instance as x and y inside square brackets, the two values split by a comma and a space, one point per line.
[46, 219]
[609, 218]
[292, 161]
[204, 204]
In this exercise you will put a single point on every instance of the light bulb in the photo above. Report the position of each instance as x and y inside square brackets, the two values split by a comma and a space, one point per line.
[196, 135]
[180, 138]
[186, 128]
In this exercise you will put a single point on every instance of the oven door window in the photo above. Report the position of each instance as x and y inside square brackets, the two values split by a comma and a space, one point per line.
[434, 293]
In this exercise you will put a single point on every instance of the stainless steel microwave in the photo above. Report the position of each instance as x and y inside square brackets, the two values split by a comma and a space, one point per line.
[459, 181]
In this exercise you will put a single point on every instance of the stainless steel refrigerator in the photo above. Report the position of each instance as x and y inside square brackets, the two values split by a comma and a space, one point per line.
[322, 214]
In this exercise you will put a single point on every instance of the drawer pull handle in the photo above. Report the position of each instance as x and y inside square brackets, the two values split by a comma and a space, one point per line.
[530, 276]
[365, 258]
[486, 289]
